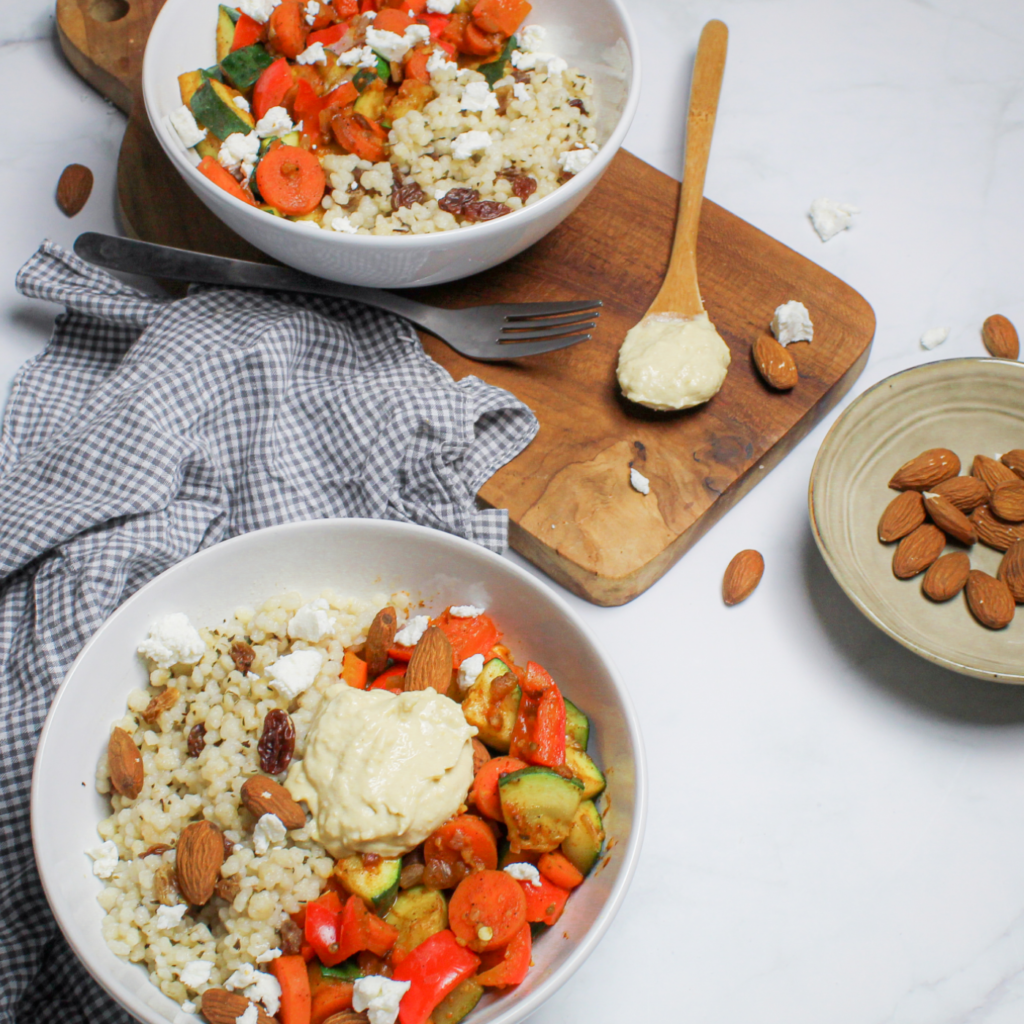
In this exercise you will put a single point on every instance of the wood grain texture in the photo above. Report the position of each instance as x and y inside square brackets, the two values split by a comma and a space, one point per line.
[571, 508]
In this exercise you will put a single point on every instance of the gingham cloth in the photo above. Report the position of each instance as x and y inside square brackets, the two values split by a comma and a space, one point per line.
[151, 428]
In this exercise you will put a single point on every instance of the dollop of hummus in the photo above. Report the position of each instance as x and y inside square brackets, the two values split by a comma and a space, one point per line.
[672, 362]
[382, 771]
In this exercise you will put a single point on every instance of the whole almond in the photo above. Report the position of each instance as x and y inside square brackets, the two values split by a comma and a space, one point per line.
[990, 472]
[965, 492]
[774, 363]
[160, 703]
[1000, 337]
[431, 662]
[1011, 570]
[348, 1017]
[989, 599]
[949, 519]
[265, 796]
[994, 532]
[125, 763]
[1007, 501]
[926, 470]
[74, 188]
[946, 576]
[904, 513]
[917, 551]
[742, 576]
[379, 638]
[219, 1006]
[200, 855]
[1014, 459]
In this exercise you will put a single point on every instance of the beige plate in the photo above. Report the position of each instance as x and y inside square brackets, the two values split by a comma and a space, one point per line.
[967, 405]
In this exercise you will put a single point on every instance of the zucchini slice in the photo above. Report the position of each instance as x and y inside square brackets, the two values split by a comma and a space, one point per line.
[582, 846]
[226, 18]
[494, 723]
[213, 107]
[577, 726]
[581, 765]
[460, 1001]
[243, 67]
[377, 885]
[538, 805]
[417, 913]
[189, 84]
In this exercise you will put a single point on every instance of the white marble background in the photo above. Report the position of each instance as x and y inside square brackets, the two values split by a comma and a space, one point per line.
[837, 828]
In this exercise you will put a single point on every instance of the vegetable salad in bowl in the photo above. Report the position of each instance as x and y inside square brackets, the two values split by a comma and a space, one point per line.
[417, 117]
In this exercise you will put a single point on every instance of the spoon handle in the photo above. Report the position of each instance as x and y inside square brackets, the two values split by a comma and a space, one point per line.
[680, 292]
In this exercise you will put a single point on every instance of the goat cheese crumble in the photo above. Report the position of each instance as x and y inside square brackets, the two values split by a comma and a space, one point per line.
[468, 143]
[258, 10]
[830, 217]
[638, 481]
[250, 1015]
[466, 611]
[312, 9]
[274, 122]
[527, 873]
[169, 917]
[312, 55]
[409, 635]
[195, 973]
[469, 670]
[295, 673]
[363, 56]
[241, 102]
[269, 830]
[104, 859]
[572, 161]
[934, 337]
[312, 622]
[441, 6]
[477, 97]
[173, 640]
[184, 124]
[792, 322]
[379, 996]
[238, 153]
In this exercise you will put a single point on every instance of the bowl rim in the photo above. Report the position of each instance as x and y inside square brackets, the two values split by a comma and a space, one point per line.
[517, 1011]
[525, 216]
[832, 562]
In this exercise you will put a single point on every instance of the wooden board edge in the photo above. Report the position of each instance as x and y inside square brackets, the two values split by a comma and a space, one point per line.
[68, 35]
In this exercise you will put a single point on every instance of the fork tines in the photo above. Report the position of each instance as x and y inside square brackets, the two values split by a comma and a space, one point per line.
[549, 320]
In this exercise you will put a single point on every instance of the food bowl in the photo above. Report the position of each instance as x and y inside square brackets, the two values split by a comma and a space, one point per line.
[594, 35]
[360, 558]
[970, 406]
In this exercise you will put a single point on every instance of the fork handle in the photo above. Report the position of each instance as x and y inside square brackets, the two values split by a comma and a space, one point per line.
[163, 261]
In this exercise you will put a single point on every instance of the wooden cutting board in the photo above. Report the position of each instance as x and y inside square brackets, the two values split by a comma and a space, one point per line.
[571, 508]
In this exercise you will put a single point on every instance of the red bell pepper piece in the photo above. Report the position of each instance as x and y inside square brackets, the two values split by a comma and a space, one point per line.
[322, 929]
[467, 636]
[362, 930]
[307, 106]
[510, 964]
[327, 35]
[434, 968]
[247, 32]
[545, 901]
[437, 23]
[366, 6]
[387, 679]
[271, 87]
[346, 9]
[538, 737]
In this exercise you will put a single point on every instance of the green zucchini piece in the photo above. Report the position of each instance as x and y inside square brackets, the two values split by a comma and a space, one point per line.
[581, 765]
[291, 139]
[494, 724]
[582, 846]
[460, 1001]
[226, 18]
[577, 727]
[495, 69]
[377, 885]
[213, 107]
[210, 146]
[538, 805]
[189, 84]
[347, 970]
[417, 913]
[243, 67]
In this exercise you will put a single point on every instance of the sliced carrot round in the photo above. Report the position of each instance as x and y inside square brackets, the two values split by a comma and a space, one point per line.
[392, 20]
[361, 136]
[557, 868]
[291, 179]
[485, 785]
[288, 29]
[459, 847]
[487, 909]
[223, 178]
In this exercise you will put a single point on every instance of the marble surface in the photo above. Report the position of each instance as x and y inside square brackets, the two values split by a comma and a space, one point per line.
[837, 828]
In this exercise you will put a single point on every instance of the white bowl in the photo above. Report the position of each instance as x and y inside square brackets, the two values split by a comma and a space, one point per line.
[593, 35]
[361, 558]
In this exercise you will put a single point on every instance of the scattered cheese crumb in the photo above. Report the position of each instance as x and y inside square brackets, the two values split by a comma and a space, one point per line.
[104, 859]
[792, 322]
[312, 622]
[521, 91]
[196, 973]
[572, 161]
[392, 46]
[169, 917]
[238, 153]
[934, 337]
[638, 481]
[409, 635]
[341, 223]
[438, 60]
[266, 989]
[524, 872]
[312, 54]
[183, 122]
[173, 640]
[530, 37]
[477, 97]
[268, 956]
[242, 978]
[311, 11]
[250, 1015]
[465, 611]
[269, 829]
[188, 1006]
[306, 224]
[295, 673]
[379, 996]
[470, 668]
[829, 217]
[241, 102]
[468, 143]
[258, 10]
[441, 6]
[361, 55]
[274, 122]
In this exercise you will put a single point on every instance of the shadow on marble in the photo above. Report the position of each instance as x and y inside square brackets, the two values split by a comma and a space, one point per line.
[885, 663]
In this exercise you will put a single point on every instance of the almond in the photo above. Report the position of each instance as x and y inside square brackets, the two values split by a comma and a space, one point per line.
[431, 662]
[965, 492]
[265, 796]
[1000, 337]
[949, 519]
[1007, 501]
[742, 576]
[994, 532]
[74, 188]
[990, 472]
[1014, 460]
[989, 599]
[200, 855]
[160, 703]
[904, 513]
[946, 576]
[774, 363]
[222, 1007]
[1011, 570]
[379, 639]
[917, 551]
[926, 470]
[481, 755]
[349, 1017]
[125, 763]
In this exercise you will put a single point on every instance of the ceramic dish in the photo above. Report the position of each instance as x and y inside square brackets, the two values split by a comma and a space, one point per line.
[593, 35]
[971, 406]
[359, 558]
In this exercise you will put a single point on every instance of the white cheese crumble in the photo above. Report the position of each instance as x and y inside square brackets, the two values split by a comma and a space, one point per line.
[104, 859]
[438, 61]
[241, 102]
[521, 91]
[295, 673]
[274, 122]
[169, 917]
[258, 10]
[792, 322]
[238, 153]
[250, 1015]
[266, 989]
[185, 125]
[269, 829]
[470, 668]
[242, 978]
[638, 481]
[196, 973]
[934, 337]
[525, 872]
[173, 640]
[555, 66]
[465, 611]
[313, 621]
[379, 996]
[363, 56]
[312, 9]
[572, 161]
[343, 224]
[829, 217]
[441, 6]
[477, 97]
[312, 55]
[188, 1006]
[409, 635]
[468, 143]
[267, 956]
[389, 45]
[306, 224]
[530, 37]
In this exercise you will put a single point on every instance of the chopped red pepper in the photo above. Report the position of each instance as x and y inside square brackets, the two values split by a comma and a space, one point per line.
[345, 9]
[508, 965]
[388, 679]
[270, 88]
[322, 928]
[437, 23]
[307, 106]
[476, 635]
[434, 968]
[327, 35]
[545, 901]
[362, 930]
[247, 32]
[538, 736]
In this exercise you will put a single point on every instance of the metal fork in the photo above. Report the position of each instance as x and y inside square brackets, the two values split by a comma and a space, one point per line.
[509, 330]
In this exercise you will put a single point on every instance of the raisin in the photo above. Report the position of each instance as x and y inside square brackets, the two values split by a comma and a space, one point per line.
[524, 187]
[291, 938]
[371, 860]
[159, 848]
[406, 195]
[228, 888]
[578, 104]
[160, 703]
[196, 740]
[229, 847]
[484, 209]
[455, 200]
[277, 744]
[242, 655]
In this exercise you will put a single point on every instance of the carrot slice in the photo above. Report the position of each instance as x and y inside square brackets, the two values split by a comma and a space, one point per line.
[503, 16]
[353, 670]
[392, 20]
[459, 847]
[223, 178]
[481, 44]
[485, 785]
[288, 29]
[557, 868]
[416, 66]
[291, 179]
[487, 909]
[329, 995]
[345, 9]
[291, 975]
[360, 136]
[507, 966]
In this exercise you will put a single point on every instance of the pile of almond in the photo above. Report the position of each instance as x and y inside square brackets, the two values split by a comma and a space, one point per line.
[938, 505]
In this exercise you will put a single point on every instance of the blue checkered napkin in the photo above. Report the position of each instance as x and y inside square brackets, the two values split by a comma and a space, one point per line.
[149, 429]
